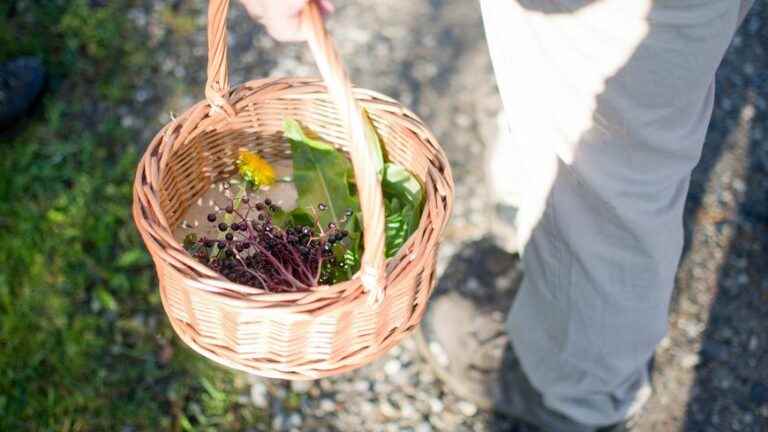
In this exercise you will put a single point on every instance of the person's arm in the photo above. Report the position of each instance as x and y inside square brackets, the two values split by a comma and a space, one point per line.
[281, 17]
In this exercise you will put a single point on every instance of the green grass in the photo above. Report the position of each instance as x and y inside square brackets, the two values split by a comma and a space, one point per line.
[84, 343]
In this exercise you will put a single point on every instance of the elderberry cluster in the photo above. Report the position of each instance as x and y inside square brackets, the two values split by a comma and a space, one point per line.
[253, 250]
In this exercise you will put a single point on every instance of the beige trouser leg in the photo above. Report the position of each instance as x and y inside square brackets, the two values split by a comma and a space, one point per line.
[609, 102]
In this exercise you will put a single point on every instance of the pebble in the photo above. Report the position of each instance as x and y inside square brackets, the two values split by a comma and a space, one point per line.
[467, 409]
[259, 394]
[753, 343]
[362, 386]
[690, 360]
[423, 427]
[387, 409]
[327, 405]
[436, 405]
[301, 386]
[294, 420]
[392, 367]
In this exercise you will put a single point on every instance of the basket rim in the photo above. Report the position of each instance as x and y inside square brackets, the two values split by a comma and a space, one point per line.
[312, 87]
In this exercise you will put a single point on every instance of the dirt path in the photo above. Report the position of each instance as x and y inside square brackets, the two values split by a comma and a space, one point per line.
[711, 371]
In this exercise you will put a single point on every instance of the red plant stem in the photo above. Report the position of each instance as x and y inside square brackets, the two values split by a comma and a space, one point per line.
[319, 266]
[294, 283]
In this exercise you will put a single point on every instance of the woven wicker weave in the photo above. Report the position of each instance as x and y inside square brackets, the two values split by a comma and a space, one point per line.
[304, 335]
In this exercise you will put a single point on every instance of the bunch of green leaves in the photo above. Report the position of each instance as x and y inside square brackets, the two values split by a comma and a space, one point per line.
[323, 174]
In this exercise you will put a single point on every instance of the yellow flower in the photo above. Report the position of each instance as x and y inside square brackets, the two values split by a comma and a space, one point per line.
[254, 169]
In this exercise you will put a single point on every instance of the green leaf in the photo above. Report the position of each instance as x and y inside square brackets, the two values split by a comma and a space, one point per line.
[403, 204]
[399, 183]
[397, 229]
[135, 257]
[294, 218]
[374, 142]
[299, 217]
[320, 175]
[293, 131]
[351, 251]
[280, 218]
[106, 299]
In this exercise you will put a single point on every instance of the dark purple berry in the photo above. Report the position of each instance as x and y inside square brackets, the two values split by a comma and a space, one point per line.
[229, 236]
[268, 202]
[229, 208]
[348, 213]
[259, 206]
[331, 226]
[221, 244]
[244, 200]
[211, 217]
[223, 226]
[208, 243]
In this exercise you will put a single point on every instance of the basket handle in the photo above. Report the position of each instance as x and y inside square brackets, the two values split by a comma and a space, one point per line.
[363, 158]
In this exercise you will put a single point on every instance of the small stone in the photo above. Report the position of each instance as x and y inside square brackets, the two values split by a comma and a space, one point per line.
[387, 409]
[301, 386]
[753, 343]
[408, 411]
[473, 286]
[723, 378]
[690, 360]
[259, 394]
[279, 422]
[467, 409]
[327, 405]
[294, 420]
[392, 367]
[436, 405]
[423, 427]
[362, 386]
[438, 353]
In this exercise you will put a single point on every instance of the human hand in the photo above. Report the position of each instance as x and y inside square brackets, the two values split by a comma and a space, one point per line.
[282, 17]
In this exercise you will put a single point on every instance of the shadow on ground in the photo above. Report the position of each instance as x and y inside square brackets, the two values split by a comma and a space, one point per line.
[728, 211]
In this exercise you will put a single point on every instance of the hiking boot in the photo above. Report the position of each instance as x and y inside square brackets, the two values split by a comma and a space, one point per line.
[21, 82]
[462, 336]
[462, 332]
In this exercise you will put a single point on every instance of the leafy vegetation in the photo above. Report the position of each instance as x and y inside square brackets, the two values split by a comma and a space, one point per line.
[84, 344]
[323, 174]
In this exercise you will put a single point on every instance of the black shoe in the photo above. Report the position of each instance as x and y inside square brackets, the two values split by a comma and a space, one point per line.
[21, 82]
[462, 336]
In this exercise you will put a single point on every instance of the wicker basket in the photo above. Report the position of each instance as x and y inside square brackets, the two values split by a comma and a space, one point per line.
[303, 335]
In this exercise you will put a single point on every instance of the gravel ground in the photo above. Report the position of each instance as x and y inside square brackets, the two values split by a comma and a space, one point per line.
[711, 371]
